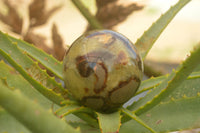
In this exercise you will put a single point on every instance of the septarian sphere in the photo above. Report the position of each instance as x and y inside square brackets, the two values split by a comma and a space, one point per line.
[102, 70]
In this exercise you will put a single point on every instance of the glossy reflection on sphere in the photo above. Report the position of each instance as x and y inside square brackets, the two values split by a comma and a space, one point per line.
[102, 70]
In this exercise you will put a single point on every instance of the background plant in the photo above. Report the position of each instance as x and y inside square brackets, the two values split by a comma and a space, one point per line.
[28, 92]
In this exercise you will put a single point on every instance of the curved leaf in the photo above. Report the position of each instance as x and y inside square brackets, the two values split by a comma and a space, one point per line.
[34, 117]
[10, 124]
[169, 84]
[68, 109]
[85, 12]
[15, 80]
[174, 115]
[46, 60]
[30, 70]
[146, 41]
[137, 119]
[85, 128]
[149, 84]
[109, 123]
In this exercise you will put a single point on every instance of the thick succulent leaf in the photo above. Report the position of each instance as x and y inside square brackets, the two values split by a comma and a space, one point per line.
[149, 84]
[88, 118]
[68, 109]
[174, 115]
[30, 70]
[146, 41]
[8, 124]
[30, 114]
[85, 12]
[82, 112]
[189, 88]
[169, 85]
[46, 60]
[183, 90]
[109, 123]
[85, 128]
[14, 79]
[137, 119]
[37, 78]
[56, 98]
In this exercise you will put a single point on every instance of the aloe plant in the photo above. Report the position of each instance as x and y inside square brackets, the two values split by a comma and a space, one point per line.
[33, 101]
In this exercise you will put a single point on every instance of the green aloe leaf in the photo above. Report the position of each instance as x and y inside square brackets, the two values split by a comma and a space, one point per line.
[30, 114]
[146, 41]
[149, 84]
[173, 115]
[68, 109]
[137, 119]
[169, 85]
[189, 88]
[87, 118]
[85, 12]
[82, 112]
[109, 123]
[15, 80]
[46, 60]
[38, 78]
[30, 70]
[8, 124]
[85, 128]
[183, 90]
